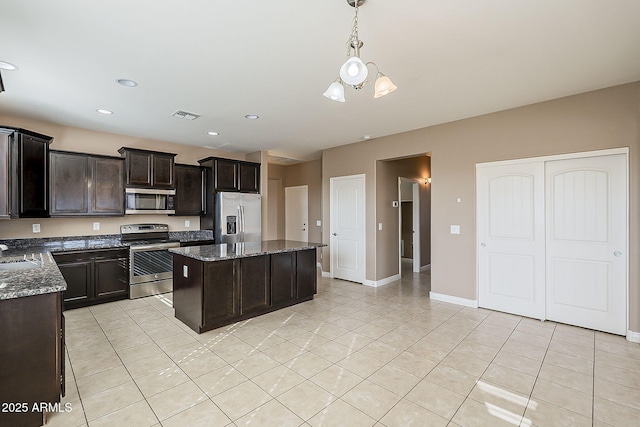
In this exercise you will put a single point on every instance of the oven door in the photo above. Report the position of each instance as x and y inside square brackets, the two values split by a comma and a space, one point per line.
[151, 269]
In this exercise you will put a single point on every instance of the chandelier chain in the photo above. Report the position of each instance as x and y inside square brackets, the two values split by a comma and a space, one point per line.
[353, 38]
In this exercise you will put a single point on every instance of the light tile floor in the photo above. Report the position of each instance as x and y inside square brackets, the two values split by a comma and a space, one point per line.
[354, 356]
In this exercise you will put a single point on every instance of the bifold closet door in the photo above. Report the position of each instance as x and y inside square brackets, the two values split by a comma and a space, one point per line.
[553, 238]
[586, 227]
[510, 212]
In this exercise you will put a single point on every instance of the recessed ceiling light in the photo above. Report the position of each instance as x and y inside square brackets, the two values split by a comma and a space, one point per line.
[252, 117]
[213, 133]
[127, 82]
[7, 66]
[103, 111]
[367, 137]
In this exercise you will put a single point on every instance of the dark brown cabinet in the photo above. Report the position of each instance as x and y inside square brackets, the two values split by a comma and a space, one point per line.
[94, 276]
[189, 190]
[148, 169]
[25, 181]
[207, 295]
[232, 175]
[85, 185]
[32, 354]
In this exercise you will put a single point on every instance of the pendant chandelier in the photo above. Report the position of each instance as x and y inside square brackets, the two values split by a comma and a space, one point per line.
[354, 72]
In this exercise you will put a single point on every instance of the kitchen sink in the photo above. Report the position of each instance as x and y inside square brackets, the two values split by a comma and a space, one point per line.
[20, 264]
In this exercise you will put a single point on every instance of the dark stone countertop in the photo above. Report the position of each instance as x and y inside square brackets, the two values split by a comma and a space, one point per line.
[220, 252]
[43, 275]
[38, 274]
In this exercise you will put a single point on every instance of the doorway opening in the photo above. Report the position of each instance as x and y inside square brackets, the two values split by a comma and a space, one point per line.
[409, 225]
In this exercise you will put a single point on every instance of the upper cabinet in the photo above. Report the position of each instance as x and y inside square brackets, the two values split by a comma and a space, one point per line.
[24, 173]
[189, 190]
[233, 175]
[148, 169]
[85, 185]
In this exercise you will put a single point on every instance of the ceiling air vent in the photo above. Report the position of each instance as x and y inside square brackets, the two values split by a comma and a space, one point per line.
[186, 115]
[280, 160]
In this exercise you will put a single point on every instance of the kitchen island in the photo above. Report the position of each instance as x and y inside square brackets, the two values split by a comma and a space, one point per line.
[216, 285]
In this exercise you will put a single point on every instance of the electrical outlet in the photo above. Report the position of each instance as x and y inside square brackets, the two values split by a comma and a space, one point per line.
[187, 223]
[96, 226]
[35, 228]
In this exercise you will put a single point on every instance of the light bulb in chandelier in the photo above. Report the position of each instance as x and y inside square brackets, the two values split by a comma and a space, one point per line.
[383, 86]
[353, 71]
[335, 92]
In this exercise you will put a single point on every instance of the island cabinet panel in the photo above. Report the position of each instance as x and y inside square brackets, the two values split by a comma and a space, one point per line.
[255, 275]
[210, 294]
[283, 277]
[221, 292]
[306, 280]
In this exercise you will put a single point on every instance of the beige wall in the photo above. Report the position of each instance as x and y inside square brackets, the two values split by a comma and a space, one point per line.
[387, 174]
[88, 141]
[306, 173]
[607, 118]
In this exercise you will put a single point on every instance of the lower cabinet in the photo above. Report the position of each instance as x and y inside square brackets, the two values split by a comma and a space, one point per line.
[32, 354]
[94, 276]
[210, 294]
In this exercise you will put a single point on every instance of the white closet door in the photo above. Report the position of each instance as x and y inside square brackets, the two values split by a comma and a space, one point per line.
[587, 243]
[510, 212]
[348, 228]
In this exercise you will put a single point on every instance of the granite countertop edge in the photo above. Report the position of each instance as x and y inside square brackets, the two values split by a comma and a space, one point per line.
[229, 251]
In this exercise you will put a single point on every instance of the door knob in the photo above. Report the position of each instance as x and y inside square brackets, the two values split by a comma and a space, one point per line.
[335, 234]
[483, 244]
[617, 253]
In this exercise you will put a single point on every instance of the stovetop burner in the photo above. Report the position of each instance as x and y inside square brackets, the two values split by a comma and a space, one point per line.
[145, 233]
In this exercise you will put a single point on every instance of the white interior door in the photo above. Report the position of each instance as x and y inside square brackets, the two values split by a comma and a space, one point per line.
[348, 228]
[587, 243]
[510, 213]
[296, 213]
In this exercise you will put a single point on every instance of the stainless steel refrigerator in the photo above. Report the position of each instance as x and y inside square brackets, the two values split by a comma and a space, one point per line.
[238, 217]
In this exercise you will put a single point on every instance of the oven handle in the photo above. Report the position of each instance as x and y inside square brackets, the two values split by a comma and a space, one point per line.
[153, 246]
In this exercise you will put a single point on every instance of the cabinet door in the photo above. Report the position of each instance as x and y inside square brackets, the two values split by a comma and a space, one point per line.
[77, 274]
[306, 277]
[189, 195]
[107, 191]
[163, 174]
[33, 176]
[69, 179]
[283, 269]
[138, 169]
[111, 277]
[255, 283]
[249, 177]
[226, 175]
[220, 291]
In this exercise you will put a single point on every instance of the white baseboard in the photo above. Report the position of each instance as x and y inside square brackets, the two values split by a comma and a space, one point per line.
[454, 300]
[633, 336]
[319, 265]
[385, 281]
[327, 274]
[425, 267]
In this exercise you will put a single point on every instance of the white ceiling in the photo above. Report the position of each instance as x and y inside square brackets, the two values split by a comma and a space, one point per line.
[450, 59]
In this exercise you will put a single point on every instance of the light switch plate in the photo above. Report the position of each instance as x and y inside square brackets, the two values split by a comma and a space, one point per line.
[455, 229]
[319, 223]
[380, 226]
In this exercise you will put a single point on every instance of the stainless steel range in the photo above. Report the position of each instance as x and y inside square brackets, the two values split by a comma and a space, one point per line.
[150, 263]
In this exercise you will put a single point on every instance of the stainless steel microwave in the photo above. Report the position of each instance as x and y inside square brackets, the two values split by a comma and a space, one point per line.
[149, 201]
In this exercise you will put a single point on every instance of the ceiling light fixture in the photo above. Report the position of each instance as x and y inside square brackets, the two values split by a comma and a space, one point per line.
[7, 66]
[127, 82]
[354, 72]
[105, 112]
[213, 133]
[252, 117]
